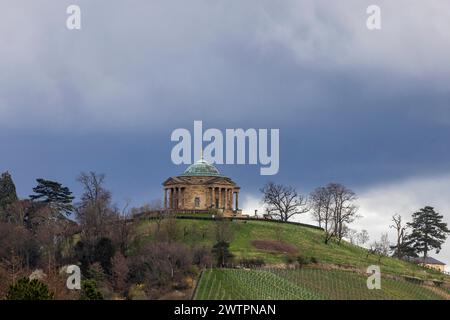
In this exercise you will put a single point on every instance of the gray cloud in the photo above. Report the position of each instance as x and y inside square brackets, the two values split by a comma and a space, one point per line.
[134, 62]
[363, 108]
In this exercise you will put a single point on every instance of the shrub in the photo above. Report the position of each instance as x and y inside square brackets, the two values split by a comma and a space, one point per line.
[290, 259]
[302, 261]
[314, 260]
[201, 256]
[26, 289]
[415, 280]
[89, 291]
[437, 282]
[222, 253]
[103, 253]
[252, 262]
[137, 292]
[274, 245]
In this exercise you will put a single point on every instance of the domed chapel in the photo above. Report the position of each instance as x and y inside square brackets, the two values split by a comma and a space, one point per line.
[202, 188]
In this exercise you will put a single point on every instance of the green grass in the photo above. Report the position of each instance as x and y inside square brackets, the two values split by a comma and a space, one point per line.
[303, 284]
[308, 241]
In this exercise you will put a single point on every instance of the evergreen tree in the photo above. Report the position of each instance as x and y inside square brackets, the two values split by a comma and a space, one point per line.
[8, 193]
[404, 249]
[89, 291]
[221, 251]
[428, 231]
[55, 194]
[26, 289]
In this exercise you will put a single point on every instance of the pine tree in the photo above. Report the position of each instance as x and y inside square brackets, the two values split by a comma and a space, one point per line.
[26, 289]
[8, 193]
[428, 231]
[55, 194]
[222, 253]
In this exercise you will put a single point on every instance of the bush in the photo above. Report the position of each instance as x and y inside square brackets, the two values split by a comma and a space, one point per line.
[201, 256]
[252, 262]
[415, 280]
[290, 259]
[314, 260]
[89, 291]
[103, 253]
[274, 245]
[26, 289]
[137, 292]
[302, 261]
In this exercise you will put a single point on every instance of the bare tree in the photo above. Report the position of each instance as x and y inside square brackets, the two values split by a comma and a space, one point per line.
[400, 229]
[322, 206]
[119, 272]
[344, 209]
[380, 248]
[283, 202]
[351, 234]
[362, 237]
[384, 244]
[320, 203]
[223, 230]
[403, 247]
[94, 213]
[333, 208]
[122, 228]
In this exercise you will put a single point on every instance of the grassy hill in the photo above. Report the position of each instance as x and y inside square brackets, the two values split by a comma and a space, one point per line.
[299, 241]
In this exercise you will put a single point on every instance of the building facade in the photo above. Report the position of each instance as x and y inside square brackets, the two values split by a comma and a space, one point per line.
[430, 262]
[201, 188]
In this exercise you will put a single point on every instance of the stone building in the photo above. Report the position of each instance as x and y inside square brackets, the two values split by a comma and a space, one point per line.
[429, 262]
[201, 188]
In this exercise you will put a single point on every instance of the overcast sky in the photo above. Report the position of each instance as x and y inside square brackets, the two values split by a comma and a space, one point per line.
[369, 109]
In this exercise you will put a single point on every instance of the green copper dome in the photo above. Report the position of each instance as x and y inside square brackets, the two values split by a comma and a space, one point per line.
[201, 169]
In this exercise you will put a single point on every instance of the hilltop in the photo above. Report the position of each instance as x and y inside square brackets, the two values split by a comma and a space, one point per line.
[277, 243]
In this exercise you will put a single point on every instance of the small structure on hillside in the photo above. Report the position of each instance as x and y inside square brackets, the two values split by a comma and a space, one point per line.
[429, 262]
[202, 188]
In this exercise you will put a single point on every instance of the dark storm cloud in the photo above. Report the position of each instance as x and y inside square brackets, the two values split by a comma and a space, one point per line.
[364, 108]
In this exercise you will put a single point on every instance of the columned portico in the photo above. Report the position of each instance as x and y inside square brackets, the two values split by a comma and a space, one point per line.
[201, 188]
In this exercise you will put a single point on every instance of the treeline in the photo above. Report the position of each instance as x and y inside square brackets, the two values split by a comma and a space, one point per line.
[43, 234]
[334, 208]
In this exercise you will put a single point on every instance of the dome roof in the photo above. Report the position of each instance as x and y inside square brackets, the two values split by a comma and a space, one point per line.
[201, 169]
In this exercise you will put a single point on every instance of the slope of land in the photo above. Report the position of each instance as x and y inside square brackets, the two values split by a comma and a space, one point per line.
[289, 240]
[305, 284]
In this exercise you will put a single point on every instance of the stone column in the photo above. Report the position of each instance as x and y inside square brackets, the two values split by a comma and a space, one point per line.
[170, 198]
[212, 197]
[220, 197]
[174, 197]
[237, 200]
[165, 198]
[183, 189]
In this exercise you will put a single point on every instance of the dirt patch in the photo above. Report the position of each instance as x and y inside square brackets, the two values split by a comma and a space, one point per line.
[273, 245]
